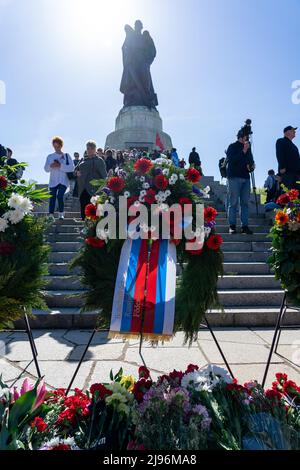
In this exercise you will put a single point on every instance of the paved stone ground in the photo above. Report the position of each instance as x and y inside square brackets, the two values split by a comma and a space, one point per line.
[59, 350]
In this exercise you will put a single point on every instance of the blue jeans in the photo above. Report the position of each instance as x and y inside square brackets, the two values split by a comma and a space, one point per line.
[238, 190]
[57, 193]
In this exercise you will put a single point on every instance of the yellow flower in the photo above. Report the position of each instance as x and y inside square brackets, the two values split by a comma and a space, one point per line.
[128, 381]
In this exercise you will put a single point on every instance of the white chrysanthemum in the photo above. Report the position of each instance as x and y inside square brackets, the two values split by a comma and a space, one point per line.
[206, 189]
[94, 200]
[3, 224]
[143, 192]
[15, 200]
[166, 171]
[100, 210]
[181, 176]
[196, 380]
[127, 194]
[26, 205]
[136, 204]
[142, 179]
[15, 216]
[111, 199]
[167, 193]
[174, 176]
[157, 197]
[146, 185]
[207, 231]
[141, 199]
[218, 372]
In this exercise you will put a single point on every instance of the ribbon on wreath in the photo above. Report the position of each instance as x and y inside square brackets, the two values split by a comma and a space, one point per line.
[144, 296]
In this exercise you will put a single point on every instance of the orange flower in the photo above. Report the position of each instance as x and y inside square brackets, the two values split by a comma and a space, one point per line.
[298, 217]
[281, 218]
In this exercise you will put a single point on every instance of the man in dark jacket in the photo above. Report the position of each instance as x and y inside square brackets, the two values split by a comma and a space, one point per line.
[239, 165]
[194, 158]
[92, 167]
[110, 162]
[288, 158]
[3, 155]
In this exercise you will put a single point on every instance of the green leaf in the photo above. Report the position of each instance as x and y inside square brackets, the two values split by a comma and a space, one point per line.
[21, 408]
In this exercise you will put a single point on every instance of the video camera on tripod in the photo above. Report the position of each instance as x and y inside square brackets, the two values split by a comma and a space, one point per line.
[246, 131]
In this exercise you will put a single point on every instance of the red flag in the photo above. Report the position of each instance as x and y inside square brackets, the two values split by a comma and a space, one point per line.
[158, 142]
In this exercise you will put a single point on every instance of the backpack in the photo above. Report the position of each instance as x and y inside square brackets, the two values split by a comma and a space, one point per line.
[223, 167]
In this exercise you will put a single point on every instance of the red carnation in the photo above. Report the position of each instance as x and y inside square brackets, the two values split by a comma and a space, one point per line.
[274, 395]
[61, 447]
[116, 184]
[193, 175]
[197, 251]
[293, 194]
[191, 368]
[150, 196]
[101, 390]
[283, 199]
[281, 377]
[143, 165]
[95, 242]
[39, 424]
[140, 388]
[144, 372]
[3, 182]
[184, 200]
[161, 182]
[90, 212]
[214, 242]
[131, 200]
[210, 214]
[7, 248]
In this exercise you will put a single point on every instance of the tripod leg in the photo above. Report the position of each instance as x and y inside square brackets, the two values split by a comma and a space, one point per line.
[219, 347]
[81, 360]
[140, 350]
[32, 345]
[277, 329]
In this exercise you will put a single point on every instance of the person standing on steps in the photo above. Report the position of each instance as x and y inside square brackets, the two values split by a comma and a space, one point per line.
[194, 159]
[92, 167]
[239, 164]
[58, 164]
[288, 158]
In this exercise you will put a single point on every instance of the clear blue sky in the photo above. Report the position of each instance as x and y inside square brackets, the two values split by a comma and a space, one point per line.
[218, 63]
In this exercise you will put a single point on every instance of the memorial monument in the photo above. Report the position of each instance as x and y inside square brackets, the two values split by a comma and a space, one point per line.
[138, 124]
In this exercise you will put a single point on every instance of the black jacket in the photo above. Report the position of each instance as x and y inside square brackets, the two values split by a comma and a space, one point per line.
[194, 159]
[287, 155]
[237, 161]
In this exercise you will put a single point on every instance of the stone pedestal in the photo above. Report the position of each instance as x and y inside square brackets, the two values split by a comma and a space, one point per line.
[137, 127]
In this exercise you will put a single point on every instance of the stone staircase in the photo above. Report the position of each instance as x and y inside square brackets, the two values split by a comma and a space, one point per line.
[248, 291]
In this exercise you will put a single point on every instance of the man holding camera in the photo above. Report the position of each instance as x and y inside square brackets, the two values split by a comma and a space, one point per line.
[288, 158]
[239, 166]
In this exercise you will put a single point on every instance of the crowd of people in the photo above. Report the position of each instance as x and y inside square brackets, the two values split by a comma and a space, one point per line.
[76, 173]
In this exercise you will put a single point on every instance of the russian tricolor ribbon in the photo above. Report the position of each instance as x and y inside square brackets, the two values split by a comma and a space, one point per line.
[144, 296]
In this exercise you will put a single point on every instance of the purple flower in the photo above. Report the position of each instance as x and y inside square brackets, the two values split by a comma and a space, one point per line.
[106, 190]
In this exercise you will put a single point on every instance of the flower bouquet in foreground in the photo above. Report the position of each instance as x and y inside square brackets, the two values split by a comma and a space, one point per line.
[184, 410]
[285, 234]
[23, 252]
[153, 188]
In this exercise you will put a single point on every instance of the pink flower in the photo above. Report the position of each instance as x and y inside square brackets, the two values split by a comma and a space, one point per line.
[16, 394]
[26, 387]
[41, 394]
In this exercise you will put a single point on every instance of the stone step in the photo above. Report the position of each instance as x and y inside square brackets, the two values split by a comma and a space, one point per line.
[235, 298]
[62, 269]
[256, 281]
[246, 268]
[69, 282]
[256, 228]
[229, 256]
[227, 237]
[64, 228]
[228, 298]
[65, 246]
[245, 256]
[245, 246]
[243, 316]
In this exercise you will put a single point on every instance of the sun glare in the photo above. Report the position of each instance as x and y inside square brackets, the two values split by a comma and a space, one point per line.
[97, 22]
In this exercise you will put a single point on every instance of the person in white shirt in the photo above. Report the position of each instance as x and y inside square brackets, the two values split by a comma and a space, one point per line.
[58, 164]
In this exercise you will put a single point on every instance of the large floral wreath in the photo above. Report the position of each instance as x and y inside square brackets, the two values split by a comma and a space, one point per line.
[23, 252]
[152, 182]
